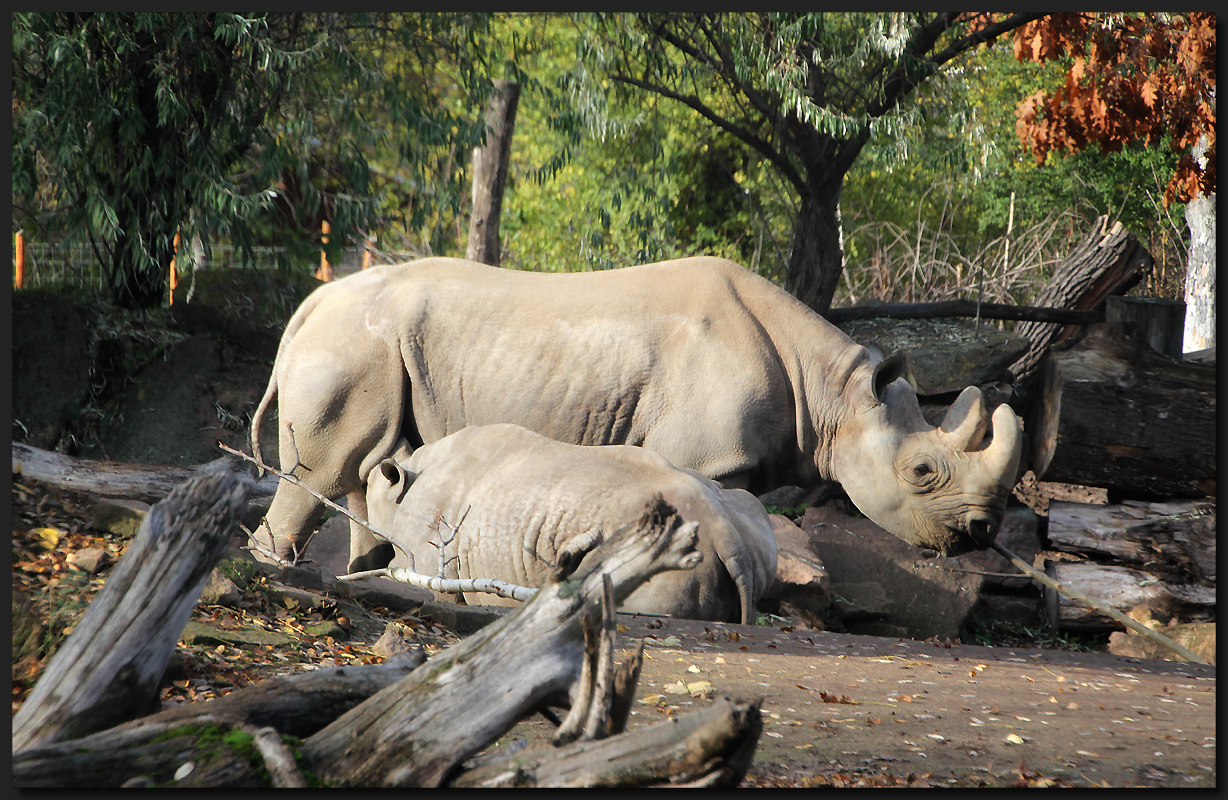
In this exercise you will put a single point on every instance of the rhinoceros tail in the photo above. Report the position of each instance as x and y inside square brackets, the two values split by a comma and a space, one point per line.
[292, 327]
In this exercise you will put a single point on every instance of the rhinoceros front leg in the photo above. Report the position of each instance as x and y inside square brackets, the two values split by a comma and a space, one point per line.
[367, 551]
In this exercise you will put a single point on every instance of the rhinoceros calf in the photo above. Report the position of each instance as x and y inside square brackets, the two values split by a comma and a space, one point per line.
[698, 359]
[524, 498]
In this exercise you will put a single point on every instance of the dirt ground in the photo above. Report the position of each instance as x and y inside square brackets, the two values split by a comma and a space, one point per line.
[864, 711]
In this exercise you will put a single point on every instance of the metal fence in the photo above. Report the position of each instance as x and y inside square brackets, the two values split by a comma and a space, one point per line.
[77, 264]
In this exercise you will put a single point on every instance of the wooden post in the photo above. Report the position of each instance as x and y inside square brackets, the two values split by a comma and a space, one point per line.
[173, 278]
[366, 251]
[19, 274]
[325, 272]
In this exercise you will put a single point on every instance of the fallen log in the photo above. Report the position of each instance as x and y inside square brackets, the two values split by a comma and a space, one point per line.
[113, 479]
[1121, 589]
[963, 308]
[423, 727]
[1172, 539]
[674, 753]
[155, 747]
[110, 668]
[1132, 421]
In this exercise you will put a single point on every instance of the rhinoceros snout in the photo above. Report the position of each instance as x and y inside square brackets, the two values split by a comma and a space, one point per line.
[982, 528]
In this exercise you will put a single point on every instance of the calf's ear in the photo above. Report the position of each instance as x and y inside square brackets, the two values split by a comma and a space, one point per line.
[389, 480]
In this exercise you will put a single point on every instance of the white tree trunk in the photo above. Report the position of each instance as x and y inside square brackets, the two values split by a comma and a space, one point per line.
[1200, 275]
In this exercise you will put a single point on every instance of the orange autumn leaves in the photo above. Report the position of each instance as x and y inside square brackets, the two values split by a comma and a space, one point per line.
[1131, 78]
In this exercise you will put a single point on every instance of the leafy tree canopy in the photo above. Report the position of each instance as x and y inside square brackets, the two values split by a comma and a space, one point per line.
[130, 127]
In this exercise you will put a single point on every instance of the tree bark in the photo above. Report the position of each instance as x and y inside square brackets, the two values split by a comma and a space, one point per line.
[419, 731]
[1132, 421]
[711, 747]
[1175, 540]
[1121, 589]
[110, 668]
[113, 479]
[490, 175]
[1109, 260]
[1200, 275]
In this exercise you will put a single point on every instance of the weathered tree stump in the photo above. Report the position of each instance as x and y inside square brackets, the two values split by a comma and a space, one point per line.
[1132, 421]
[110, 668]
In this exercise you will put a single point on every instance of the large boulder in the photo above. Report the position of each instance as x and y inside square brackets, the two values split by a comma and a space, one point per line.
[802, 587]
[882, 586]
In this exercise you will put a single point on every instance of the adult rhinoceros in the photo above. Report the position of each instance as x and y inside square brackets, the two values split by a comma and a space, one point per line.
[698, 359]
[526, 499]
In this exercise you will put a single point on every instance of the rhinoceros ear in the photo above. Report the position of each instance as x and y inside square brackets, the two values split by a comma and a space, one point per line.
[390, 480]
[885, 373]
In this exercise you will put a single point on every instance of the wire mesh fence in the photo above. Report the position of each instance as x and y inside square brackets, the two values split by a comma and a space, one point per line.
[78, 264]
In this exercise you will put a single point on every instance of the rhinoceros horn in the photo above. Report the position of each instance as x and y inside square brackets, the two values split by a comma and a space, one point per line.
[966, 421]
[1002, 456]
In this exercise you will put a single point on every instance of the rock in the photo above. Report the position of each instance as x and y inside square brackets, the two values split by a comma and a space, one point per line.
[201, 633]
[239, 566]
[119, 517]
[375, 592]
[220, 591]
[1199, 637]
[392, 642]
[1020, 534]
[465, 620]
[1018, 609]
[89, 559]
[943, 355]
[923, 596]
[801, 580]
[783, 497]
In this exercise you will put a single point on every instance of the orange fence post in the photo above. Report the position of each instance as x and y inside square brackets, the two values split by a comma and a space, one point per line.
[366, 252]
[174, 276]
[325, 272]
[19, 274]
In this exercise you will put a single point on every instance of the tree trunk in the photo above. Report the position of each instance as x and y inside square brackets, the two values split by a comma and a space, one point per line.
[418, 732]
[816, 259]
[1132, 421]
[1122, 589]
[1175, 540]
[490, 174]
[1109, 260]
[1158, 321]
[110, 668]
[1200, 275]
[113, 479]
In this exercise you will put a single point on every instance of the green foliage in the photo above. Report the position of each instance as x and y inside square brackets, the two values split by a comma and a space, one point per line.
[131, 127]
[998, 633]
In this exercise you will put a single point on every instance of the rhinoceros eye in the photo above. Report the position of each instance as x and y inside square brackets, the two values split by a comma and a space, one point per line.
[921, 472]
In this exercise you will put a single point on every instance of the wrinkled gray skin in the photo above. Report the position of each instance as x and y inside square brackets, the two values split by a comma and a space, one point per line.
[697, 359]
[525, 498]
